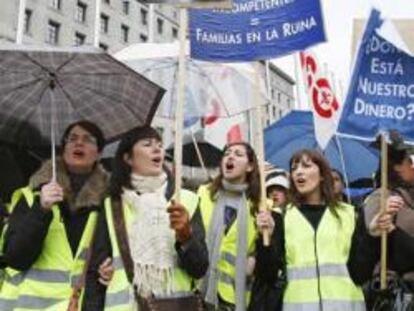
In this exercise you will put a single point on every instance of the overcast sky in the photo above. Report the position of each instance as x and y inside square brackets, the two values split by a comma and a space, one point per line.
[338, 16]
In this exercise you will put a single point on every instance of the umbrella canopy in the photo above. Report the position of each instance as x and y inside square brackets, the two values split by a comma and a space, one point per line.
[44, 86]
[210, 154]
[295, 131]
[212, 90]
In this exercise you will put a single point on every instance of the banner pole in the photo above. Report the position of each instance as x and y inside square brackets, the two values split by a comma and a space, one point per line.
[179, 112]
[260, 146]
[384, 194]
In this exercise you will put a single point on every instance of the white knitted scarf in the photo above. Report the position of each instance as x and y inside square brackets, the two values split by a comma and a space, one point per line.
[150, 237]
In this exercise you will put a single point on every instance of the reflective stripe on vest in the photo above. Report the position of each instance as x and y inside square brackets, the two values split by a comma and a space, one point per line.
[228, 251]
[327, 305]
[300, 273]
[13, 278]
[49, 282]
[316, 262]
[118, 292]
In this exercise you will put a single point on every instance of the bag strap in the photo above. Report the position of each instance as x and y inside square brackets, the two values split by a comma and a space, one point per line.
[77, 289]
[122, 238]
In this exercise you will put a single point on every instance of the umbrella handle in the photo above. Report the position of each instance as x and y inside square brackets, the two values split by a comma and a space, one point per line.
[199, 155]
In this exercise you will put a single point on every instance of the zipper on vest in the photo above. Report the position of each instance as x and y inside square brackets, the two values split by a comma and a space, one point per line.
[318, 273]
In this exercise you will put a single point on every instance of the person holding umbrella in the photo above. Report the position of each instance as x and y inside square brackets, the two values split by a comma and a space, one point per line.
[326, 249]
[155, 244]
[52, 224]
[228, 207]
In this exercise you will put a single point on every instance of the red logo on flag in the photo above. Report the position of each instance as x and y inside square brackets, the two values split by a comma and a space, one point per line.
[323, 99]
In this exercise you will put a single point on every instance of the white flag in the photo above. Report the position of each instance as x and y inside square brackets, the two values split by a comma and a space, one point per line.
[325, 105]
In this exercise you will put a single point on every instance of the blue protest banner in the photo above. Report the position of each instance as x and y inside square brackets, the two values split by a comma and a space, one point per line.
[381, 92]
[255, 30]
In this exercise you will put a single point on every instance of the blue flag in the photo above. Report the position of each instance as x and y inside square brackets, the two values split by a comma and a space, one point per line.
[381, 92]
[255, 30]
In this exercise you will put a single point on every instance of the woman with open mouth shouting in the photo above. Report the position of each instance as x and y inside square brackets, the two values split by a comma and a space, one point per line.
[325, 247]
[228, 206]
[52, 224]
[155, 246]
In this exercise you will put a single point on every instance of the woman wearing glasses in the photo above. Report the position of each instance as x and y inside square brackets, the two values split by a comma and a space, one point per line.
[52, 224]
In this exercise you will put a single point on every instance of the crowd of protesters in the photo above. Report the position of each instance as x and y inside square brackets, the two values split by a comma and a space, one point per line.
[90, 240]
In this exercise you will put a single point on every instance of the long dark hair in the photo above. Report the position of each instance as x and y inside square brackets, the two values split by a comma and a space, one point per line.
[121, 173]
[252, 178]
[326, 185]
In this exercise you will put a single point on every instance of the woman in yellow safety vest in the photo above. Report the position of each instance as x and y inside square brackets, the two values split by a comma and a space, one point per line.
[325, 247]
[51, 227]
[155, 245]
[228, 206]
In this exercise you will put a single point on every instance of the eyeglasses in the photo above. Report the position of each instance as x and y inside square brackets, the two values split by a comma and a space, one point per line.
[86, 139]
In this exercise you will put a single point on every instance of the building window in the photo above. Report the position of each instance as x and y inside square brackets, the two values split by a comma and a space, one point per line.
[79, 39]
[104, 23]
[103, 47]
[125, 6]
[143, 38]
[56, 4]
[124, 33]
[160, 25]
[174, 32]
[107, 1]
[27, 20]
[144, 17]
[279, 98]
[53, 32]
[80, 14]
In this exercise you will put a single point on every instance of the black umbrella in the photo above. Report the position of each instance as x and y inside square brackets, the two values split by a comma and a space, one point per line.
[210, 154]
[46, 89]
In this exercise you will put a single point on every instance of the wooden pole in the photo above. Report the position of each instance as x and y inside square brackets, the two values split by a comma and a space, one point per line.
[179, 110]
[384, 194]
[260, 146]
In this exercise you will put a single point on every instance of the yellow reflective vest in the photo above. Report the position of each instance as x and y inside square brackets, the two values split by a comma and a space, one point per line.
[118, 293]
[48, 284]
[228, 249]
[316, 262]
